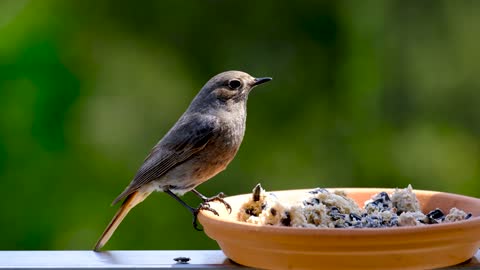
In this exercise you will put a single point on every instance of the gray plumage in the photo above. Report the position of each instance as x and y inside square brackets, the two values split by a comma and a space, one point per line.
[200, 144]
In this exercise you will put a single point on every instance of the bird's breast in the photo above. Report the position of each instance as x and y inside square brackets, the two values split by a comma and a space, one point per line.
[220, 150]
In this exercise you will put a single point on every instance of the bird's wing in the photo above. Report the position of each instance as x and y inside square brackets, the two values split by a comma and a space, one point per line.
[170, 152]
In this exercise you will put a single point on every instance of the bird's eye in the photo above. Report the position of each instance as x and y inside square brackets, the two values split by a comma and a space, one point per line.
[234, 84]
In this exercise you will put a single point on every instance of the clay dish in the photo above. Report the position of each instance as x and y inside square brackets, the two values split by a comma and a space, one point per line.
[420, 247]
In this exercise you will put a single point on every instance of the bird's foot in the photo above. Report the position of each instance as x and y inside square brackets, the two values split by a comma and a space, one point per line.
[202, 206]
[218, 198]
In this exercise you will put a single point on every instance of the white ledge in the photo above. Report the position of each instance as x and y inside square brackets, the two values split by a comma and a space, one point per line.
[199, 259]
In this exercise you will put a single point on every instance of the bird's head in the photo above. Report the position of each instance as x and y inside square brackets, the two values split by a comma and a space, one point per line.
[229, 87]
[232, 85]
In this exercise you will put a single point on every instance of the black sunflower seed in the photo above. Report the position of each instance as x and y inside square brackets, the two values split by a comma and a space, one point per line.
[354, 216]
[256, 192]
[318, 190]
[286, 220]
[436, 214]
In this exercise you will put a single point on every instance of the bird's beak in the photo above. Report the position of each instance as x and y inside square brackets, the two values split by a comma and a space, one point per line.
[258, 81]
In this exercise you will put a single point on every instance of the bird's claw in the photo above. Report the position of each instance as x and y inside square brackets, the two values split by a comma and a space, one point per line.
[219, 198]
[202, 206]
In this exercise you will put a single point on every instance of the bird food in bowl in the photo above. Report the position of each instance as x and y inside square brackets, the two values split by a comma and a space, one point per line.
[362, 228]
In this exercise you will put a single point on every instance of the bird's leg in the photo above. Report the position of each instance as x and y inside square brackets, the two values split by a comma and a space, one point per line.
[219, 198]
[192, 210]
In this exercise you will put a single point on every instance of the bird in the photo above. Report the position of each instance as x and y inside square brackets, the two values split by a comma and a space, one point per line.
[202, 142]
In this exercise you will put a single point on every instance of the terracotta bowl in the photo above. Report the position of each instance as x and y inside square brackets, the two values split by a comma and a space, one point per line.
[421, 247]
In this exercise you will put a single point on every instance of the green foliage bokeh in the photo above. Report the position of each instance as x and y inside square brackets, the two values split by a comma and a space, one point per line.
[365, 93]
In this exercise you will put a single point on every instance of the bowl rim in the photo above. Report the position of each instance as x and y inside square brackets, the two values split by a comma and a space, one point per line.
[390, 231]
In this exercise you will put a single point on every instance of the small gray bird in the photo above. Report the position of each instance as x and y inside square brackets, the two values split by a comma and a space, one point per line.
[200, 145]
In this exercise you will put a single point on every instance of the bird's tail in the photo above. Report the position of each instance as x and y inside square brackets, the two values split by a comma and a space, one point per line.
[130, 202]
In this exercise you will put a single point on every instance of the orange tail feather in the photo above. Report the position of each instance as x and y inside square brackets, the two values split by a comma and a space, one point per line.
[130, 202]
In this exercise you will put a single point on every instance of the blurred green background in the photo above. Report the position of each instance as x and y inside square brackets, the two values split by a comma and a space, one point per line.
[365, 93]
